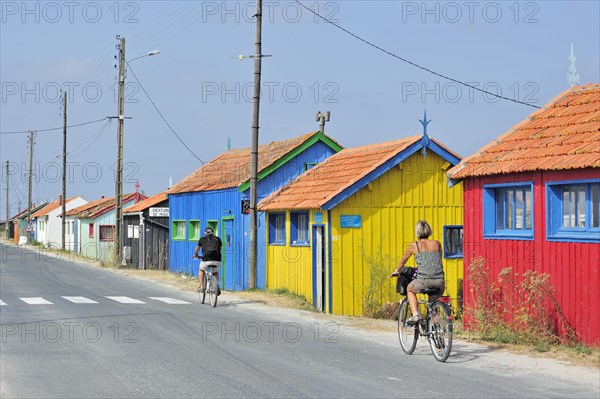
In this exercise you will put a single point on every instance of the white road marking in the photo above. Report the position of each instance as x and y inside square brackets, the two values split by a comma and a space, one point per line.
[37, 300]
[170, 301]
[124, 299]
[2, 303]
[79, 299]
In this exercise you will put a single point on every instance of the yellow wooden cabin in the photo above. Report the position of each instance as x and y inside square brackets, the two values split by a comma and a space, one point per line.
[335, 233]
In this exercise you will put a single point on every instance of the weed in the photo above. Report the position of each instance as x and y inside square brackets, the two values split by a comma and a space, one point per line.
[515, 310]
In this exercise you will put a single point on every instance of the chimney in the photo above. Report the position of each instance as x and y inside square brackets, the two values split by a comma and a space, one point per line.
[60, 199]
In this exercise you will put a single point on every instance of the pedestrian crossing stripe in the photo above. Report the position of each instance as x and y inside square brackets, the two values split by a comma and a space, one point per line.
[83, 300]
[36, 300]
[170, 301]
[124, 299]
[79, 299]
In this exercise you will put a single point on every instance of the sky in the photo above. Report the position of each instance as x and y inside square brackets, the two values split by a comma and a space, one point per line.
[519, 49]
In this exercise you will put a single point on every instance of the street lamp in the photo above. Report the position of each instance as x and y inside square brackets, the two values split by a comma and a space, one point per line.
[120, 128]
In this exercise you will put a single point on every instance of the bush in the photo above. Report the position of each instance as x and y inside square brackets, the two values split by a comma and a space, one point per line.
[516, 310]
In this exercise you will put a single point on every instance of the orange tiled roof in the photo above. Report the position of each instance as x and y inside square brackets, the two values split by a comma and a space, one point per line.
[322, 183]
[50, 207]
[232, 168]
[564, 134]
[92, 209]
[148, 202]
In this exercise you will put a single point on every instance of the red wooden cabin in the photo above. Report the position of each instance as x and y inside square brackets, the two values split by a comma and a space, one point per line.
[532, 202]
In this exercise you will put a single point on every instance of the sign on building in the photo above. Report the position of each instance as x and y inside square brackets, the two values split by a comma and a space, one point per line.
[159, 212]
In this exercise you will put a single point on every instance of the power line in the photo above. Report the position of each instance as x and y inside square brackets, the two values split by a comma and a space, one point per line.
[162, 116]
[410, 62]
[54, 128]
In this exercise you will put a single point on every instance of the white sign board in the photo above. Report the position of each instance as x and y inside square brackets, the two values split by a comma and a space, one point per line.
[159, 212]
[22, 240]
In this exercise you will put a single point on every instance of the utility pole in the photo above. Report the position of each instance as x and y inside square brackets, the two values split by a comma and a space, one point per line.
[27, 231]
[322, 118]
[119, 171]
[7, 206]
[64, 171]
[254, 151]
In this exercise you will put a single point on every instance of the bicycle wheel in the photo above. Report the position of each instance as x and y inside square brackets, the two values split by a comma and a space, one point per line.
[407, 333]
[441, 331]
[213, 290]
[203, 294]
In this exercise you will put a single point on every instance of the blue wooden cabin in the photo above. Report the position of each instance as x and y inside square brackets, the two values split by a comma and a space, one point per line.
[215, 194]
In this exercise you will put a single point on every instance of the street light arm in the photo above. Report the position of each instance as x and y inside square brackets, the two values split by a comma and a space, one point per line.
[148, 54]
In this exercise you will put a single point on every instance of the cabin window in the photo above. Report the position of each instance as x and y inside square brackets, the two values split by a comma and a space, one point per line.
[91, 229]
[573, 210]
[178, 230]
[41, 225]
[277, 228]
[508, 211]
[194, 228]
[299, 228]
[309, 165]
[453, 242]
[106, 233]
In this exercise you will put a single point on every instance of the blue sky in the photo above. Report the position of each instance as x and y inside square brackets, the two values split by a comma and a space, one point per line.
[518, 49]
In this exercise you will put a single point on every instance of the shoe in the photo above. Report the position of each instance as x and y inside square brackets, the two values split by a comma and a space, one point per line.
[413, 320]
[201, 290]
[218, 291]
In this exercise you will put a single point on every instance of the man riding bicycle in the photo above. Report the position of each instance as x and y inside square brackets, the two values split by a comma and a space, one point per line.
[211, 256]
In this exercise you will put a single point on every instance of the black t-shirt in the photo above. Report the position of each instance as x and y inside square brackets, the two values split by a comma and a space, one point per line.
[211, 247]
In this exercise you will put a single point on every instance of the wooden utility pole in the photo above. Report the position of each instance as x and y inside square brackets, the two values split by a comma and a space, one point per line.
[64, 171]
[322, 118]
[7, 205]
[254, 151]
[29, 204]
[119, 171]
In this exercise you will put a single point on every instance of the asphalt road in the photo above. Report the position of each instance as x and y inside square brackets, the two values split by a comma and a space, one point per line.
[73, 330]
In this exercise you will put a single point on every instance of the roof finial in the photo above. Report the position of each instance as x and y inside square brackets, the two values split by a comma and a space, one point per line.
[424, 137]
[572, 76]
[228, 143]
[137, 187]
[424, 122]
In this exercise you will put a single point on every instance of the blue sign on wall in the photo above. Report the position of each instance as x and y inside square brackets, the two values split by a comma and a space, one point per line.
[351, 221]
[318, 218]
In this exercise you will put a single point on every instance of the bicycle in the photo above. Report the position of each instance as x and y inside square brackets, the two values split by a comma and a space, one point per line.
[211, 287]
[436, 326]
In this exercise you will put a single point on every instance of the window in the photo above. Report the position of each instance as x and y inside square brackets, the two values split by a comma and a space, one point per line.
[106, 233]
[309, 165]
[194, 229]
[573, 210]
[41, 225]
[508, 211]
[277, 228]
[178, 230]
[299, 228]
[453, 241]
[91, 229]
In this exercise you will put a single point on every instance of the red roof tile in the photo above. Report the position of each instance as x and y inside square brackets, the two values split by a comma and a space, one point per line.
[96, 208]
[50, 207]
[232, 168]
[329, 178]
[564, 134]
[148, 202]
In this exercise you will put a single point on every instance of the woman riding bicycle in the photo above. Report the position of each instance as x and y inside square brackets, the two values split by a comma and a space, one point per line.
[428, 257]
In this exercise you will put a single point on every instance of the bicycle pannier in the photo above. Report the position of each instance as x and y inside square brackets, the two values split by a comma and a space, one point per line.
[406, 275]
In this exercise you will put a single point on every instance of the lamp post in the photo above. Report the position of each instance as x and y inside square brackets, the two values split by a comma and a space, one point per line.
[120, 127]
